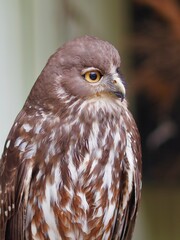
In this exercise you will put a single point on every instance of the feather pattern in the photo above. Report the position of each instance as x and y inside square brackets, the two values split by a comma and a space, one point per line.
[71, 167]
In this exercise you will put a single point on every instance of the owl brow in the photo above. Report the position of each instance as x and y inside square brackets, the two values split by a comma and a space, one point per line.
[87, 69]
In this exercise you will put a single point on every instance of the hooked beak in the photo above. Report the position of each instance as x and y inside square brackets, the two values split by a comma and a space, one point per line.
[116, 86]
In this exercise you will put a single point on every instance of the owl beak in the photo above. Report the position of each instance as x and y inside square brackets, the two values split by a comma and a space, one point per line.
[117, 87]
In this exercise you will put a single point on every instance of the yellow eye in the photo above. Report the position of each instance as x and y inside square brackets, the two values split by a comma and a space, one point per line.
[93, 76]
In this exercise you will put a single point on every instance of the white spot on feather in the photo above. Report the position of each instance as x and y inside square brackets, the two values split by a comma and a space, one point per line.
[22, 147]
[31, 151]
[52, 150]
[37, 128]
[130, 171]
[33, 229]
[93, 165]
[81, 129]
[109, 212]
[93, 137]
[107, 178]
[84, 203]
[97, 196]
[99, 212]
[83, 165]
[29, 215]
[6, 213]
[86, 158]
[8, 143]
[38, 176]
[18, 141]
[26, 127]
[107, 130]
[71, 167]
[116, 138]
[49, 216]
[56, 183]
[98, 153]
[52, 135]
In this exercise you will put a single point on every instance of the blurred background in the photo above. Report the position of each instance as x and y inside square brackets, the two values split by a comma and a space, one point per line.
[147, 35]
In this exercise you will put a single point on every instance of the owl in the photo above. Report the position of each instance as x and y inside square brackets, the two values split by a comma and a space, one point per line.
[71, 165]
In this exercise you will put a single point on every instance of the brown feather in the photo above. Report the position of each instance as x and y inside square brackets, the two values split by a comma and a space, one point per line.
[71, 167]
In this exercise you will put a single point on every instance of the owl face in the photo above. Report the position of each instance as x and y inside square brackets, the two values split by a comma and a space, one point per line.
[91, 68]
[84, 68]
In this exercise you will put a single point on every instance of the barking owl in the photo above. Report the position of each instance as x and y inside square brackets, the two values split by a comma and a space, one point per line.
[71, 166]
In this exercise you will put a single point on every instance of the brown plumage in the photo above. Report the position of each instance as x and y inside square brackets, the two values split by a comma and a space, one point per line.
[71, 166]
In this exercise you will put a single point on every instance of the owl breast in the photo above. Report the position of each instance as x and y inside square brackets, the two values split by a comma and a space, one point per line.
[74, 193]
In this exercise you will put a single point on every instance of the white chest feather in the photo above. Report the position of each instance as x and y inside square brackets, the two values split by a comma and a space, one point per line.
[82, 197]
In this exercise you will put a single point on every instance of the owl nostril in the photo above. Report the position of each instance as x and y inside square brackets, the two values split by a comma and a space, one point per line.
[114, 81]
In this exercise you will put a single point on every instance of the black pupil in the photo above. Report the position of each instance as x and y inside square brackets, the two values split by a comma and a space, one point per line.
[93, 75]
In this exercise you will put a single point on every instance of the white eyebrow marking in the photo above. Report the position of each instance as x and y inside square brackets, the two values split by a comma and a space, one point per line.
[88, 69]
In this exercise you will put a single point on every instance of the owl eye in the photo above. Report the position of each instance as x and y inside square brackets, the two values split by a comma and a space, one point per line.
[93, 76]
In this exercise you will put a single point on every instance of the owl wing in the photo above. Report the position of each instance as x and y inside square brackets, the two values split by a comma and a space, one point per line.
[15, 174]
[126, 216]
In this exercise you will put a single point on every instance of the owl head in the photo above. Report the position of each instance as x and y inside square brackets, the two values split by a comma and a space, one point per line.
[84, 68]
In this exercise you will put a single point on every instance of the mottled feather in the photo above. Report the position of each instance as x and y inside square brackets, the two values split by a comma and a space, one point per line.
[71, 166]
